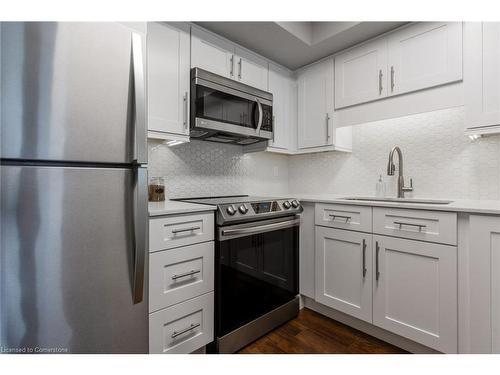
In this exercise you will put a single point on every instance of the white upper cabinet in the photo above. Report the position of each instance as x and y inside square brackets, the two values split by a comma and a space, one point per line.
[211, 53]
[361, 74]
[315, 110]
[168, 79]
[283, 88]
[227, 59]
[424, 55]
[416, 57]
[482, 77]
[250, 69]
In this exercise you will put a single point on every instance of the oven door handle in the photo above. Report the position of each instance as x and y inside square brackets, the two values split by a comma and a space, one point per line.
[259, 228]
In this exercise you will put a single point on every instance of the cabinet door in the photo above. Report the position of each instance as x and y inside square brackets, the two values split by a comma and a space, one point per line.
[415, 291]
[168, 79]
[361, 74]
[484, 278]
[211, 53]
[251, 69]
[315, 99]
[482, 75]
[344, 271]
[281, 85]
[424, 55]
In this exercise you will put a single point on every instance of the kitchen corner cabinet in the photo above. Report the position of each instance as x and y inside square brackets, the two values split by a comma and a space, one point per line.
[482, 77]
[415, 291]
[415, 57]
[344, 271]
[168, 80]
[219, 56]
[484, 284]
[284, 89]
[316, 128]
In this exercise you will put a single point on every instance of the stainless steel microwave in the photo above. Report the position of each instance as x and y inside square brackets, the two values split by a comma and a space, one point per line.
[227, 111]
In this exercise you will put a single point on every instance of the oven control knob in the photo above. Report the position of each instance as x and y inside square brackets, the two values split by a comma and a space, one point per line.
[286, 204]
[230, 210]
[295, 203]
[243, 209]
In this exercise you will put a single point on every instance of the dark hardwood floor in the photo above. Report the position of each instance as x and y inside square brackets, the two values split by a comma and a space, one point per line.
[312, 333]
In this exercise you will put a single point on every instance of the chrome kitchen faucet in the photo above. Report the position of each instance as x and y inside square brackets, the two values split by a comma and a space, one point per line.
[390, 172]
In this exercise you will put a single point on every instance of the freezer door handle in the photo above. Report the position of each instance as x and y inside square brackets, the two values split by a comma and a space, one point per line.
[140, 233]
[140, 156]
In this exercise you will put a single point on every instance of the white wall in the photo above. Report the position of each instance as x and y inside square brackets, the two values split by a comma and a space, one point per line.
[206, 169]
[442, 161]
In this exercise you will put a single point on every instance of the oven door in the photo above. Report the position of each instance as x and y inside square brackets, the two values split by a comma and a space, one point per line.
[256, 270]
[223, 109]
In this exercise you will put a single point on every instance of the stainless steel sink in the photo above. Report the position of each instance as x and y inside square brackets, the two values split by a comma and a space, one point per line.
[398, 200]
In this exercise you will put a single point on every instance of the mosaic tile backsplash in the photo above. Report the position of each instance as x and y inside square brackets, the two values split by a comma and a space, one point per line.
[200, 168]
[441, 160]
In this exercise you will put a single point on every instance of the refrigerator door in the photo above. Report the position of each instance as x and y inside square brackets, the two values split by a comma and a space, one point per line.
[73, 259]
[72, 92]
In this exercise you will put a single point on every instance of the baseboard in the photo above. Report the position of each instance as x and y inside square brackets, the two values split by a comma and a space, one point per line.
[370, 329]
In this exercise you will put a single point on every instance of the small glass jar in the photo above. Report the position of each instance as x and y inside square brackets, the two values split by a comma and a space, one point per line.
[156, 189]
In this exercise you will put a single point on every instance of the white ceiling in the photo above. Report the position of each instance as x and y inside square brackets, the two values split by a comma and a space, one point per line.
[295, 44]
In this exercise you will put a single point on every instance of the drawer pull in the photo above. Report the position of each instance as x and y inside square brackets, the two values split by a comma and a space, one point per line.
[190, 273]
[419, 226]
[190, 229]
[185, 330]
[347, 218]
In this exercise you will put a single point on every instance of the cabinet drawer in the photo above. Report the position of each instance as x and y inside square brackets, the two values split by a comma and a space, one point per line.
[179, 274]
[344, 216]
[182, 328]
[173, 231]
[433, 226]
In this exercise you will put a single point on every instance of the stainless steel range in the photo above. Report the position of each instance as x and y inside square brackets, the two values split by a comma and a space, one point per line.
[256, 267]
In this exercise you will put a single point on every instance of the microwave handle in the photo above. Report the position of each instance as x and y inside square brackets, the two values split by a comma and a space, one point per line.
[259, 124]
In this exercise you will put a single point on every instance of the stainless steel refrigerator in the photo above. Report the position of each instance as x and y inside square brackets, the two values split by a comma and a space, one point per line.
[73, 189]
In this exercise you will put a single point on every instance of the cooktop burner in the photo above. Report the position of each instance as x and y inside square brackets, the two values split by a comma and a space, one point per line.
[240, 208]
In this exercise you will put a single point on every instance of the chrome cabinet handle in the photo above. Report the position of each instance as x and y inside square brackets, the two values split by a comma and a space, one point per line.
[260, 115]
[392, 78]
[380, 75]
[185, 99]
[347, 218]
[140, 218]
[364, 258]
[419, 226]
[190, 229]
[377, 250]
[185, 330]
[231, 72]
[239, 70]
[140, 154]
[186, 274]
[327, 127]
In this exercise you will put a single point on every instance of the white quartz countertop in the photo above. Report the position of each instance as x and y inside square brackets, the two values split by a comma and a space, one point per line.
[491, 207]
[169, 207]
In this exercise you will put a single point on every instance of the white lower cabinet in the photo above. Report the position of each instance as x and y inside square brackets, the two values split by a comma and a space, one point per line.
[181, 282]
[182, 328]
[415, 291]
[344, 271]
[484, 284]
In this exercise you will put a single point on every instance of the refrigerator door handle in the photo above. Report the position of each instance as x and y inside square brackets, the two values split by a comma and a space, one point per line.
[140, 233]
[140, 156]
